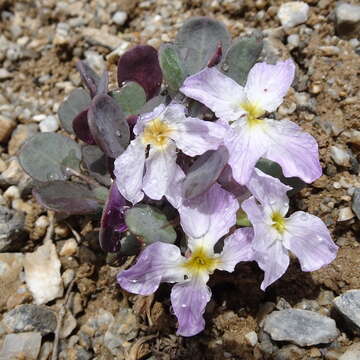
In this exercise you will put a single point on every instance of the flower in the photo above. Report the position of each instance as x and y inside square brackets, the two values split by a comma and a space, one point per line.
[164, 130]
[303, 234]
[204, 220]
[250, 136]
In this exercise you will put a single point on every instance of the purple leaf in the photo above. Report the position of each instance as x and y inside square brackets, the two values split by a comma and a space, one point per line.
[102, 87]
[108, 125]
[81, 128]
[95, 161]
[216, 58]
[112, 221]
[141, 64]
[88, 76]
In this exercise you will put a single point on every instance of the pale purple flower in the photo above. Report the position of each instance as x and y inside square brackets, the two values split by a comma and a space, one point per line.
[204, 220]
[250, 136]
[164, 130]
[305, 235]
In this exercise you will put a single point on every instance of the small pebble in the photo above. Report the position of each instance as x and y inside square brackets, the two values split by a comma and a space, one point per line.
[345, 214]
[293, 13]
[49, 124]
[119, 18]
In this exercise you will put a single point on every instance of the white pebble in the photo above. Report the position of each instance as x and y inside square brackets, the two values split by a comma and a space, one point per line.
[293, 13]
[119, 18]
[50, 124]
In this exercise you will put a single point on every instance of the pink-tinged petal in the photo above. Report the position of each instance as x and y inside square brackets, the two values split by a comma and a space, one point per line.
[267, 84]
[217, 91]
[208, 217]
[189, 301]
[158, 262]
[194, 136]
[160, 171]
[274, 262]
[129, 171]
[237, 247]
[246, 144]
[309, 239]
[144, 118]
[295, 150]
[174, 191]
[269, 191]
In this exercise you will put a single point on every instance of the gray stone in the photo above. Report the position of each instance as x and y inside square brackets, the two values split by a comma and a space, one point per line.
[21, 346]
[4, 74]
[12, 233]
[289, 352]
[293, 13]
[20, 135]
[347, 19]
[356, 202]
[30, 318]
[348, 305]
[352, 353]
[302, 327]
[119, 18]
[50, 124]
[95, 60]
[340, 156]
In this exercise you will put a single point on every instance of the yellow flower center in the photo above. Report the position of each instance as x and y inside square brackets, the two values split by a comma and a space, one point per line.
[200, 261]
[278, 222]
[156, 133]
[254, 112]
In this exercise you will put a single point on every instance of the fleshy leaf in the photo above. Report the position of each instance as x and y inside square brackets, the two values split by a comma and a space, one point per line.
[102, 87]
[172, 66]
[88, 76]
[77, 101]
[96, 163]
[274, 169]
[204, 172]
[108, 126]
[112, 221]
[150, 105]
[241, 57]
[81, 128]
[46, 156]
[66, 197]
[217, 56]
[198, 40]
[131, 98]
[141, 64]
[149, 223]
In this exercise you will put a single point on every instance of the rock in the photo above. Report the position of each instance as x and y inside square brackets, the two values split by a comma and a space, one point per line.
[21, 346]
[4, 74]
[95, 60]
[79, 353]
[50, 124]
[11, 265]
[20, 135]
[302, 327]
[14, 174]
[348, 305]
[345, 214]
[99, 37]
[68, 325]
[252, 338]
[352, 353]
[119, 18]
[113, 57]
[69, 248]
[356, 202]
[347, 19]
[30, 318]
[42, 274]
[68, 276]
[293, 13]
[289, 352]
[6, 127]
[340, 156]
[12, 232]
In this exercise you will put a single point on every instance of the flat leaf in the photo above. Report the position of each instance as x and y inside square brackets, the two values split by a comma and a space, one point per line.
[171, 66]
[66, 197]
[274, 169]
[149, 223]
[46, 156]
[77, 101]
[241, 57]
[131, 98]
[217, 56]
[205, 172]
[88, 76]
[102, 87]
[112, 221]
[81, 128]
[108, 125]
[96, 163]
[198, 40]
[141, 64]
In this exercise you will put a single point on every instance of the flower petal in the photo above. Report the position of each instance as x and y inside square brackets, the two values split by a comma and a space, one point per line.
[160, 171]
[189, 301]
[237, 247]
[159, 262]
[144, 118]
[217, 91]
[174, 191]
[309, 239]
[129, 171]
[294, 149]
[267, 84]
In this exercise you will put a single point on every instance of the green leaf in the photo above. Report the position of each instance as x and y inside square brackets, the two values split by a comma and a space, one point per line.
[171, 66]
[149, 223]
[241, 57]
[131, 98]
[77, 101]
[101, 193]
[130, 245]
[197, 41]
[46, 156]
[242, 219]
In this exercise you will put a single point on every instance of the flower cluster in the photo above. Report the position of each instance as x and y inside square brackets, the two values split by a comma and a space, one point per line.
[149, 167]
